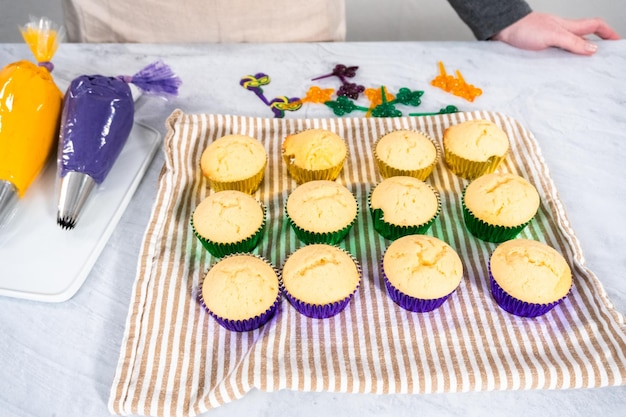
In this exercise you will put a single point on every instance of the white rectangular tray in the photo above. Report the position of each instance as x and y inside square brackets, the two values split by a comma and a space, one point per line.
[41, 261]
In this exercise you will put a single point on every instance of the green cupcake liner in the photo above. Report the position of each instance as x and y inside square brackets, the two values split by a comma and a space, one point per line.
[486, 231]
[219, 249]
[330, 238]
[393, 231]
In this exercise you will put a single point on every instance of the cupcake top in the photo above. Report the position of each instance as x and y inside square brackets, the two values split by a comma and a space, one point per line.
[405, 201]
[422, 267]
[314, 149]
[502, 199]
[233, 158]
[228, 216]
[240, 287]
[320, 274]
[406, 150]
[476, 140]
[321, 206]
[531, 271]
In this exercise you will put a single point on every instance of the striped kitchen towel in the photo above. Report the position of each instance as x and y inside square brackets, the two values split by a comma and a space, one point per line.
[176, 360]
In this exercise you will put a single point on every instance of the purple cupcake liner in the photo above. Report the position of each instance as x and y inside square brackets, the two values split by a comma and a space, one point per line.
[407, 302]
[489, 232]
[253, 322]
[219, 250]
[243, 325]
[321, 311]
[393, 231]
[518, 307]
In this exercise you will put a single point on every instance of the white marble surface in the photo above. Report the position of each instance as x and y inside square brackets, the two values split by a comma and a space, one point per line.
[59, 359]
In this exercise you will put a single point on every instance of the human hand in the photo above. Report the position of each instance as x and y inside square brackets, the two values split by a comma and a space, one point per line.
[538, 31]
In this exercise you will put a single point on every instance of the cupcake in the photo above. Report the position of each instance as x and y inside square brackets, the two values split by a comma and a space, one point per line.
[320, 280]
[241, 292]
[234, 162]
[498, 206]
[228, 221]
[405, 153]
[421, 272]
[314, 154]
[528, 278]
[321, 211]
[403, 206]
[474, 148]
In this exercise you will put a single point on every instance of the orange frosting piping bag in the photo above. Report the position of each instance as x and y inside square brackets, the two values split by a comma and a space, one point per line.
[30, 106]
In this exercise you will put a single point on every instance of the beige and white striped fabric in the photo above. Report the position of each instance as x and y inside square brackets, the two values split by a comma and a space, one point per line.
[177, 361]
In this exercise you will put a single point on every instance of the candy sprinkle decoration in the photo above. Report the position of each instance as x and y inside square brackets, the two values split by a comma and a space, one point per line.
[455, 85]
[343, 101]
[279, 104]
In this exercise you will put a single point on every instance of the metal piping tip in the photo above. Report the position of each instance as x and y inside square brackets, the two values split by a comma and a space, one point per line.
[75, 190]
[8, 200]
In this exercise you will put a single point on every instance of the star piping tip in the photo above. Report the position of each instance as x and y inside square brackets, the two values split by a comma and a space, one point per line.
[66, 223]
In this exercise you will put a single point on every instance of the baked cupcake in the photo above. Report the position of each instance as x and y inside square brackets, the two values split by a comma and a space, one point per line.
[228, 221]
[234, 162]
[528, 278]
[421, 272]
[474, 148]
[320, 280]
[498, 206]
[405, 153]
[241, 292]
[321, 211]
[314, 154]
[403, 206]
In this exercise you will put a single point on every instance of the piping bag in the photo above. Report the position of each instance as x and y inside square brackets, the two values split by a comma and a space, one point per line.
[96, 120]
[30, 106]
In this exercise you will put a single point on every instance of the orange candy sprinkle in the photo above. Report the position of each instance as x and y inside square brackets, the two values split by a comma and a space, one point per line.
[455, 84]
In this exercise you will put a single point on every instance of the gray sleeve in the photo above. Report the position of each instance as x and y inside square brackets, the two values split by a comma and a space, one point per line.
[487, 17]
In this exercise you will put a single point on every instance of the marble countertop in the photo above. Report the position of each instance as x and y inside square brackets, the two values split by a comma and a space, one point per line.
[60, 358]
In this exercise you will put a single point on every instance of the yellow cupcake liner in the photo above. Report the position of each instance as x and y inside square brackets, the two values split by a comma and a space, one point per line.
[468, 169]
[302, 175]
[387, 171]
[247, 185]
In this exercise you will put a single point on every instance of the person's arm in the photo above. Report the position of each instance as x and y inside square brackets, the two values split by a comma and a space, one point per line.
[538, 31]
[486, 18]
[514, 23]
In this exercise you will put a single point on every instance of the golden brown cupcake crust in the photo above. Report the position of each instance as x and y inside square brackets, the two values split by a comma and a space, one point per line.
[476, 140]
[233, 158]
[422, 266]
[405, 201]
[321, 206]
[531, 271]
[240, 287]
[502, 199]
[228, 216]
[320, 274]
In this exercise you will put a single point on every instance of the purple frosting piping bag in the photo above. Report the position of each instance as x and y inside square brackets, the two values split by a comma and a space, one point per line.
[96, 120]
